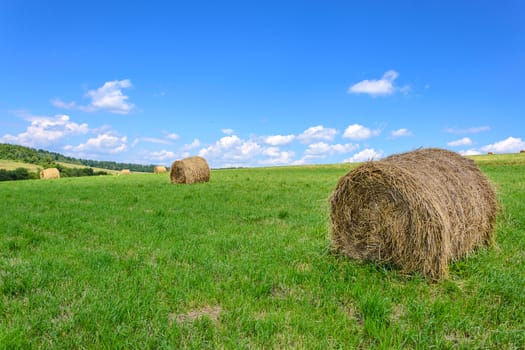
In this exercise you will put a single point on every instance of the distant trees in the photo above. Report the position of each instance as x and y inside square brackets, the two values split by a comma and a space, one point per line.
[17, 174]
[45, 159]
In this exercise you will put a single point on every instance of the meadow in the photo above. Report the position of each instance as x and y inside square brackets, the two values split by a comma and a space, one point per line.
[241, 262]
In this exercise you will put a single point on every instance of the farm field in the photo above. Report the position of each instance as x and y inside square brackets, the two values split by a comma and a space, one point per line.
[240, 262]
[12, 165]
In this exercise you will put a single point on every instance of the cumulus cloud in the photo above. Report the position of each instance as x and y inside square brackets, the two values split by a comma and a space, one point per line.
[359, 132]
[223, 146]
[469, 152]
[161, 156]
[277, 157]
[472, 130]
[195, 144]
[44, 131]
[232, 151]
[279, 140]
[324, 149]
[380, 87]
[108, 98]
[106, 143]
[465, 141]
[401, 133]
[228, 131]
[365, 155]
[509, 145]
[317, 133]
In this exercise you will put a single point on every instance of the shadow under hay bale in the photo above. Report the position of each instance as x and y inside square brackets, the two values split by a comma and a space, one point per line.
[50, 173]
[190, 170]
[418, 210]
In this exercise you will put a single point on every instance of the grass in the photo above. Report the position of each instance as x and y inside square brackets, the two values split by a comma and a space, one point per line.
[239, 262]
[12, 165]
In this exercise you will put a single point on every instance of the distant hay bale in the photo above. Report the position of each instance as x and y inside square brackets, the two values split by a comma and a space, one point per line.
[190, 170]
[490, 153]
[522, 151]
[50, 173]
[159, 169]
[418, 211]
[124, 172]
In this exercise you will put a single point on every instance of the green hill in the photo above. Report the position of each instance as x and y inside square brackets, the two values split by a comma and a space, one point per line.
[45, 158]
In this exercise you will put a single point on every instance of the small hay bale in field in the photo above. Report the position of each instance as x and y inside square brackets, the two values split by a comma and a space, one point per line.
[159, 169]
[490, 153]
[190, 170]
[418, 211]
[522, 151]
[125, 172]
[50, 173]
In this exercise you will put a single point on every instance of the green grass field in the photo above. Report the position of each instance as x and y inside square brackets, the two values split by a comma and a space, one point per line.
[240, 262]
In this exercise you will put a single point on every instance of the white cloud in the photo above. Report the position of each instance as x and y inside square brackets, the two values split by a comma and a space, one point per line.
[365, 155]
[381, 87]
[103, 143]
[509, 145]
[222, 147]
[359, 132]
[155, 140]
[228, 131]
[465, 141]
[277, 157]
[232, 151]
[469, 152]
[401, 133]
[109, 98]
[45, 130]
[249, 149]
[172, 136]
[195, 144]
[279, 140]
[322, 149]
[161, 156]
[472, 130]
[64, 105]
[317, 133]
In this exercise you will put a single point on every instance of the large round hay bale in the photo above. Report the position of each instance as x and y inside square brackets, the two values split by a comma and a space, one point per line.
[190, 170]
[159, 169]
[418, 211]
[50, 173]
[125, 172]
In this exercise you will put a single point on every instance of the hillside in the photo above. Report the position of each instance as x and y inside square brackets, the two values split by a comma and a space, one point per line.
[43, 158]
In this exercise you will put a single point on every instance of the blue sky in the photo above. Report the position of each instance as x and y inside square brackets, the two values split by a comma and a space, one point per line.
[259, 83]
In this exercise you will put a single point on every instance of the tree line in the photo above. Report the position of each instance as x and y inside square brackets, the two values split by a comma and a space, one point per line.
[45, 159]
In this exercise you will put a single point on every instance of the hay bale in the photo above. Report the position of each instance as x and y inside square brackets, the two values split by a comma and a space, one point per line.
[159, 169]
[50, 173]
[418, 211]
[125, 172]
[522, 151]
[490, 153]
[190, 170]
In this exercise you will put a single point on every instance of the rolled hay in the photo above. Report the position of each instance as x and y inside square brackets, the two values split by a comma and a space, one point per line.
[159, 169]
[50, 173]
[125, 172]
[522, 151]
[418, 211]
[190, 170]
